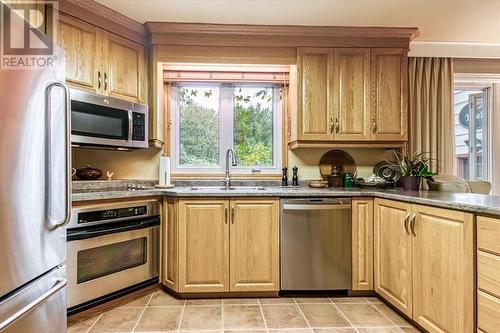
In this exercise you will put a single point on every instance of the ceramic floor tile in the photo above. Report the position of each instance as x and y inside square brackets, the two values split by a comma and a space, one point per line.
[323, 315]
[292, 330]
[161, 298]
[201, 318]
[82, 326]
[139, 302]
[117, 320]
[373, 299]
[312, 300]
[379, 330]
[410, 329]
[391, 314]
[245, 331]
[363, 315]
[242, 317]
[348, 300]
[283, 316]
[208, 301]
[160, 319]
[277, 300]
[240, 301]
[334, 330]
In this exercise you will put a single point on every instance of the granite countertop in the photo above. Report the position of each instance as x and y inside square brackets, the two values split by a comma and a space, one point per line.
[476, 203]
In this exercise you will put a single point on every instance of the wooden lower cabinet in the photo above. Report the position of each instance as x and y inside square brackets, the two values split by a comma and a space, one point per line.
[393, 254]
[362, 244]
[254, 239]
[203, 239]
[221, 245]
[424, 264]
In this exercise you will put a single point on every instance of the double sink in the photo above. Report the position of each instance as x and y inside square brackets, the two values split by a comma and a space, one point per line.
[222, 188]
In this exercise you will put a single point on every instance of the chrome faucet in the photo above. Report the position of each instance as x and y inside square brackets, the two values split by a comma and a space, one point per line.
[227, 180]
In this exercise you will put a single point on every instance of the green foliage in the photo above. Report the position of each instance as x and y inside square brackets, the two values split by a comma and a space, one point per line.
[416, 164]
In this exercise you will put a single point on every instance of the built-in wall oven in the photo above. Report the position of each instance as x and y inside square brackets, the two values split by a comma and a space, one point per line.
[112, 249]
[106, 122]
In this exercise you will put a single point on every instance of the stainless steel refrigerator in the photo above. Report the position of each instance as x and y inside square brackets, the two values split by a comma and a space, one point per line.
[35, 191]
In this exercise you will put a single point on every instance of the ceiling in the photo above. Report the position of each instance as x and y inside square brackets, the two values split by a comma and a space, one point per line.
[438, 20]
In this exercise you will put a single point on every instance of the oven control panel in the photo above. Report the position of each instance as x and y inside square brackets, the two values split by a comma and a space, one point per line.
[138, 127]
[111, 214]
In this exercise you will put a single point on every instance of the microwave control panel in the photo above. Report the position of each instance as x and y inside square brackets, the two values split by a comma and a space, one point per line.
[139, 127]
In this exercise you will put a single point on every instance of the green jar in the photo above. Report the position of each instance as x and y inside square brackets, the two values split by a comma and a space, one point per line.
[348, 180]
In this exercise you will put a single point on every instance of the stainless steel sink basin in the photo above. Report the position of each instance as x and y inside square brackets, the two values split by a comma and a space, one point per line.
[221, 188]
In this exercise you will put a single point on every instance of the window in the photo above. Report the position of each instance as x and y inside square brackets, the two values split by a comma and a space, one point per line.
[210, 117]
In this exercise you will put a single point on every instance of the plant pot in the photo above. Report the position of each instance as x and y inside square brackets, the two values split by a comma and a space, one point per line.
[411, 183]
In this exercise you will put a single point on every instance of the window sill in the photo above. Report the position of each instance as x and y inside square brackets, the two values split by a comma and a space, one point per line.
[220, 176]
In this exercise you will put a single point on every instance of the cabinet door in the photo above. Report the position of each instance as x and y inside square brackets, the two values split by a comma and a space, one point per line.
[443, 272]
[203, 245]
[389, 94]
[351, 85]
[170, 244]
[393, 254]
[81, 43]
[125, 69]
[314, 110]
[362, 244]
[254, 245]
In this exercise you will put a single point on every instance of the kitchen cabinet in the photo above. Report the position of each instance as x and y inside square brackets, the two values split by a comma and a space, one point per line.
[389, 76]
[102, 62]
[222, 245]
[349, 95]
[254, 239]
[362, 244]
[424, 264]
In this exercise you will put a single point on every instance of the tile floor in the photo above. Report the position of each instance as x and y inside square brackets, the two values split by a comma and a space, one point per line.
[160, 312]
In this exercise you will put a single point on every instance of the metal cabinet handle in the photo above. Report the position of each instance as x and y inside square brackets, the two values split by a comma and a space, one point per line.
[99, 80]
[61, 283]
[130, 125]
[105, 81]
[67, 150]
[412, 224]
[331, 126]
[232, 214]
[226, 212]
[406, 223]
[374, 125]
[337, 126]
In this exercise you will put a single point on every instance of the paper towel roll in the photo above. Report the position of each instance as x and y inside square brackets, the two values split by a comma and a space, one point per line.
[164, 174]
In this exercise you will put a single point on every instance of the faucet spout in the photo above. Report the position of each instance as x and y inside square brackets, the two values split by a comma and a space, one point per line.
[230, 154]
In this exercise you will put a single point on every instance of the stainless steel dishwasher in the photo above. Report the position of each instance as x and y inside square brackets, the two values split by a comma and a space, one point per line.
[315, 244]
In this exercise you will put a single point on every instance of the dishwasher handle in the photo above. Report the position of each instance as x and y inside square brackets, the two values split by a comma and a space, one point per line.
[316, 207]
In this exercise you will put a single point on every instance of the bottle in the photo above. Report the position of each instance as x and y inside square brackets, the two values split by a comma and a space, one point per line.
[295, 178]
[284, 178]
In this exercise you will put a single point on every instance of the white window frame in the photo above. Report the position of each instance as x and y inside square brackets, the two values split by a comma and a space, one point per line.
[226, 130]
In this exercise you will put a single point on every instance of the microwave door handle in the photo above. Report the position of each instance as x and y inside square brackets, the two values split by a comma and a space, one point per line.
[67, 151]
[130, 125]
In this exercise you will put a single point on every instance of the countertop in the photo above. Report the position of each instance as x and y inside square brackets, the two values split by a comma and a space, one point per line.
[469, 202]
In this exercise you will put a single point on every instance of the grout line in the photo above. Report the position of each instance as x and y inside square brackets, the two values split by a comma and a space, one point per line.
[222, 314]
[387, 317]
[182, 317]
[98, 317]
[345, 317]
[263, 317]
[142, 313]
[303, 315]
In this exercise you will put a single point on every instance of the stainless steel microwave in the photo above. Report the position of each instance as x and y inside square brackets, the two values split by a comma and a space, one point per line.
[106, 122]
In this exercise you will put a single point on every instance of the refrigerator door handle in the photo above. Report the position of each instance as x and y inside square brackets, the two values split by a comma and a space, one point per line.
[67, 123]
[61, 283]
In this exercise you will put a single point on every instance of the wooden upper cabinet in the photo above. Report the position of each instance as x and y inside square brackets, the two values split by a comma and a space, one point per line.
[254, 243]
[393, 254]
[80, 42]
[389, 94]
[443, 274]
[203, 245]
[125, 74]
[314, 105]
[351, 86]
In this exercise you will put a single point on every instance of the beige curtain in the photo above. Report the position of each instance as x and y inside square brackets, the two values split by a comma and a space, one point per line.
[431, 110]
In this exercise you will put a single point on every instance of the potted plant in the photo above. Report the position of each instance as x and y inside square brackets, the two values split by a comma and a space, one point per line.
[412, 167]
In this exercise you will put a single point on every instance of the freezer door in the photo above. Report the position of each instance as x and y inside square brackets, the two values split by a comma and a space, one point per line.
[33, 173]
[40, 307]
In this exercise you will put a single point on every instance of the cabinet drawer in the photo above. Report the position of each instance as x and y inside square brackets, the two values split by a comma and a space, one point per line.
[488, 273]
[488, 234]
[488, 312]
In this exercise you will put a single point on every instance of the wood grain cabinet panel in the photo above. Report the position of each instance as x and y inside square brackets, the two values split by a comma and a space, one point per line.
[351, 86]
[254, 264]
[81, 43]
[488, 234]
[488, 273]
[389, 94]
[443, 289]
[362, 244]
[203, 245]
[314, 113]
[170, 244]
[393, 254]
[488, 313]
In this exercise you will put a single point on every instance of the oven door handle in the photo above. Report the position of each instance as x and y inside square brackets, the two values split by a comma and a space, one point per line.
[90, 233]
